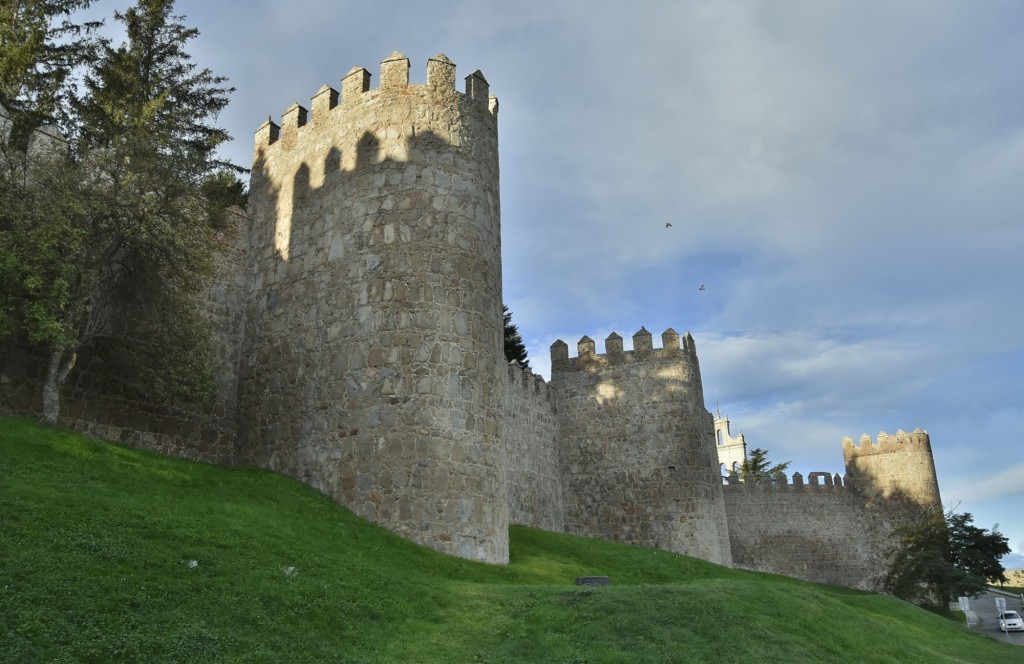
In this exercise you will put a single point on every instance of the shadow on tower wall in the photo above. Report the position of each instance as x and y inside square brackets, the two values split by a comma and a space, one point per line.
[374, 322]
[383, 263]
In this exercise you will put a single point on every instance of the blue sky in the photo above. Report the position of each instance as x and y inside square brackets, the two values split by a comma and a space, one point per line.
[844, 178]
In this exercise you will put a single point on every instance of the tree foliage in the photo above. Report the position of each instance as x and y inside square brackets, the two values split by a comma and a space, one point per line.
[515, 349]
[147, 95]
[109, 241]
[944, 555]
[757, 466]
[41, 47]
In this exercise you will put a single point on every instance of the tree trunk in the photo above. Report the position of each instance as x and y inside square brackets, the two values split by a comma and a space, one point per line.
[56, 371]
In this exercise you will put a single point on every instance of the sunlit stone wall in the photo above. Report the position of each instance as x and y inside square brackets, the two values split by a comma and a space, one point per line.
[374, 335]
[358, 319]
[832, 529]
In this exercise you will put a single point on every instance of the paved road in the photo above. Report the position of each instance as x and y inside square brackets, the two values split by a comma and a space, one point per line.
[985, 606]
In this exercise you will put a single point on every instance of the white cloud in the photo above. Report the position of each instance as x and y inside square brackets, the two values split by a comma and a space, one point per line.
[1004, 482]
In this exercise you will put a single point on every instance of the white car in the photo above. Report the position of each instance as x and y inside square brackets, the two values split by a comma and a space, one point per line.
[1010, 621]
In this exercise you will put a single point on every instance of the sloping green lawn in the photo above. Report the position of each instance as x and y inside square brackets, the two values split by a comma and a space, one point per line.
[97, 544]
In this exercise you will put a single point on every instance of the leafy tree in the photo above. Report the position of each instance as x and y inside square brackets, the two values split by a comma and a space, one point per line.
[111, 243]
[942, 556]
[757, 466]
[515, 350]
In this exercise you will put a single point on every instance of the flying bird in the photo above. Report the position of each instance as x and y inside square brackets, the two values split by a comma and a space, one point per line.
[668, 224]
[702, 287]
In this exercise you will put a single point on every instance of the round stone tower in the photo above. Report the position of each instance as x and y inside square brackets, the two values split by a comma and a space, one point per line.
[374, 326]
[637, 446]
[899, 468]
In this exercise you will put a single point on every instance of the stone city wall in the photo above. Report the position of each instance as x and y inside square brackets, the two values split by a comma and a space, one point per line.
[529, 430]
[817, 532]
[358, 315]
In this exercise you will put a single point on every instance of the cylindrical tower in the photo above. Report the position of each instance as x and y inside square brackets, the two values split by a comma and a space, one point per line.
[637, 446]
[900, 468]
[374, 329]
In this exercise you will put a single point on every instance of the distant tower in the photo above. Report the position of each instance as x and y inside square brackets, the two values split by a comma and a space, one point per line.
[898, 467]
[374, 330]
[732, 452]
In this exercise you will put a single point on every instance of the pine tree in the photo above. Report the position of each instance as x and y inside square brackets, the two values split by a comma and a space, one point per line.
[515, 350]
[147, 95]
[757, 466]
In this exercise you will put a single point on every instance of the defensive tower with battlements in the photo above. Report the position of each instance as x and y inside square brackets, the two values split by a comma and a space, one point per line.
[638, 453]
[831, 528]
[897, 467]
[374, 328]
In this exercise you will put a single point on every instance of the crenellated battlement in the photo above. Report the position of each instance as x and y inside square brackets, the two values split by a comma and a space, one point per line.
[527, 380]
[672, 347]
[900, 464]
[819, 480]
[900, 441]
[394, 81]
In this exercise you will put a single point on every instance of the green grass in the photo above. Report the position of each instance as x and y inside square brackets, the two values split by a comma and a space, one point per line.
[96, 539]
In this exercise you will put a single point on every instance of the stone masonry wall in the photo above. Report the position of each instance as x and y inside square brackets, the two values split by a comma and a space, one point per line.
[638, 454]
[374, 327]
[529, 431]
[824, 534]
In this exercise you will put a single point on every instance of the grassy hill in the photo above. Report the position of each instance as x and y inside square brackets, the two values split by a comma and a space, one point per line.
[111, 554]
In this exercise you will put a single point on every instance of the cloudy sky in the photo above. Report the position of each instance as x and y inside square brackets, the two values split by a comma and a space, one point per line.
[845, 179]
